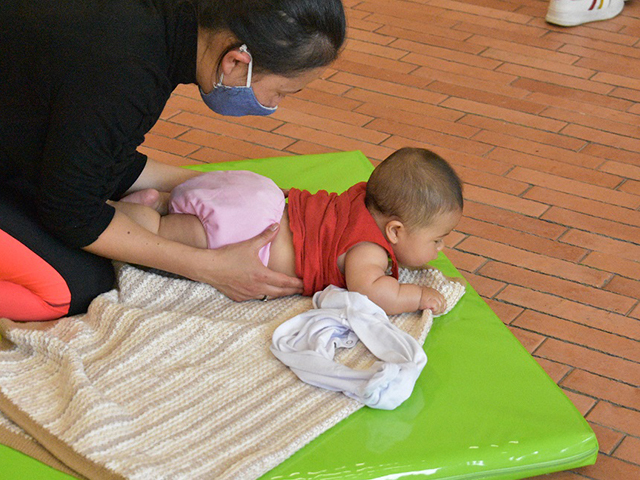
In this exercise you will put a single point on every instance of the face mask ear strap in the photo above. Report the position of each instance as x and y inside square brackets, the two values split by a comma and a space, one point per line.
[243, 49]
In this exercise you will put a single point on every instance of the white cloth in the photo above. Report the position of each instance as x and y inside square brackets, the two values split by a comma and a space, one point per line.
[307, 343]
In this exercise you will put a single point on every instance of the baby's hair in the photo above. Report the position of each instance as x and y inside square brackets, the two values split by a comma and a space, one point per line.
[415, 186]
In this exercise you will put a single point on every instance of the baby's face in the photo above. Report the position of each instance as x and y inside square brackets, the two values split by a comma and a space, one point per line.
[419, 246]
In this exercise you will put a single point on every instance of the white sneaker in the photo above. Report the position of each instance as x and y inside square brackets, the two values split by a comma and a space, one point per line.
[568, 13]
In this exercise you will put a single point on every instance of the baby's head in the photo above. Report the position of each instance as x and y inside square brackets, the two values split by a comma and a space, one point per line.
[416, 198]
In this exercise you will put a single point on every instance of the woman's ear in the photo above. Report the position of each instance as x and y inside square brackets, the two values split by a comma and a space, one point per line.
[393, 231]
[234, 66]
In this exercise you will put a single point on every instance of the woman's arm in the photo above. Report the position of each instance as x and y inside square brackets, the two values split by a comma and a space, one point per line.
[365, 272]
[161, 176]
[235, 270]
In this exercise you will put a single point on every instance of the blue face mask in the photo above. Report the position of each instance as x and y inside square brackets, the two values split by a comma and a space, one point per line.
[236, 101]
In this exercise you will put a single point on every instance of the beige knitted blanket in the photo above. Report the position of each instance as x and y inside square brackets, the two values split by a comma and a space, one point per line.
[167, 378]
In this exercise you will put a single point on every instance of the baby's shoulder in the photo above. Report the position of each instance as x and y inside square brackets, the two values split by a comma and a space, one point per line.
[367, 252]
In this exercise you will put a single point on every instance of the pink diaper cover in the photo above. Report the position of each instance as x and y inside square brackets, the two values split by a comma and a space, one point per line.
[233, 206]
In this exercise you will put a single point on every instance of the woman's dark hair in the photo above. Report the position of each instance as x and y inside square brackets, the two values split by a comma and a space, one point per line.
[285, 37]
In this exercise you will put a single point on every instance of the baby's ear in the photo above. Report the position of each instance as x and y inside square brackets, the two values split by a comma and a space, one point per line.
[393, 230]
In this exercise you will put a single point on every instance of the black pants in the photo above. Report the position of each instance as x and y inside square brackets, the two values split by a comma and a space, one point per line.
[77, 274]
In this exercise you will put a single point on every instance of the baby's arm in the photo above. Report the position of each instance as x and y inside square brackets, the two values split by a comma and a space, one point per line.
[365, 267]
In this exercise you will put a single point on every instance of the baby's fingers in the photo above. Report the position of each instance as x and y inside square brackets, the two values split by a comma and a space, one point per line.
[439, 304]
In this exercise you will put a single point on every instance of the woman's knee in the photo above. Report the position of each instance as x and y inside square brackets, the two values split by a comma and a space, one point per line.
[40, 273]
[32, 287]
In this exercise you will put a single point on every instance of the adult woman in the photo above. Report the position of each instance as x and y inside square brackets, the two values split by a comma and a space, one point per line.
[82, 82]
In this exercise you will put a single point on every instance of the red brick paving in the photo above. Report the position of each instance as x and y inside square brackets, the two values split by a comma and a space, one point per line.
[543, 124]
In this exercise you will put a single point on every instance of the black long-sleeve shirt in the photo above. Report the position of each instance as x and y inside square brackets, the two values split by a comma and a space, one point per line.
[81, 83]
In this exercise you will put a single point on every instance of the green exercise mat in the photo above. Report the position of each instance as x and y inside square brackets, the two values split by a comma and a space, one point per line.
[482, 408]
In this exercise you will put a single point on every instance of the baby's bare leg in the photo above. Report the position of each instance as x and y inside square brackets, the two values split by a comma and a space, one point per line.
[183, 228]
[150, 197]
[143, 215]
[178, 227]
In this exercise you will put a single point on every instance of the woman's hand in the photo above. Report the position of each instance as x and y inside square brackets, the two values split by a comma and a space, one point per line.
[240, 275]
[235, 270]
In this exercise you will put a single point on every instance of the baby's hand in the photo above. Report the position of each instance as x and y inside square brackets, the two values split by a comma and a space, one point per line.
[431, 299]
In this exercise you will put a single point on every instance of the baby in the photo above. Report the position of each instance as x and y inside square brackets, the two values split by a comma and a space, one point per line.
[412, 200]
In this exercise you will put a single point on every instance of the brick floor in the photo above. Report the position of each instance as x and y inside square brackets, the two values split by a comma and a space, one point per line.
[543, 124]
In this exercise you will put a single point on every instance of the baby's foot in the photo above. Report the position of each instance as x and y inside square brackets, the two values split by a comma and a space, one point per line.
[149, 197]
